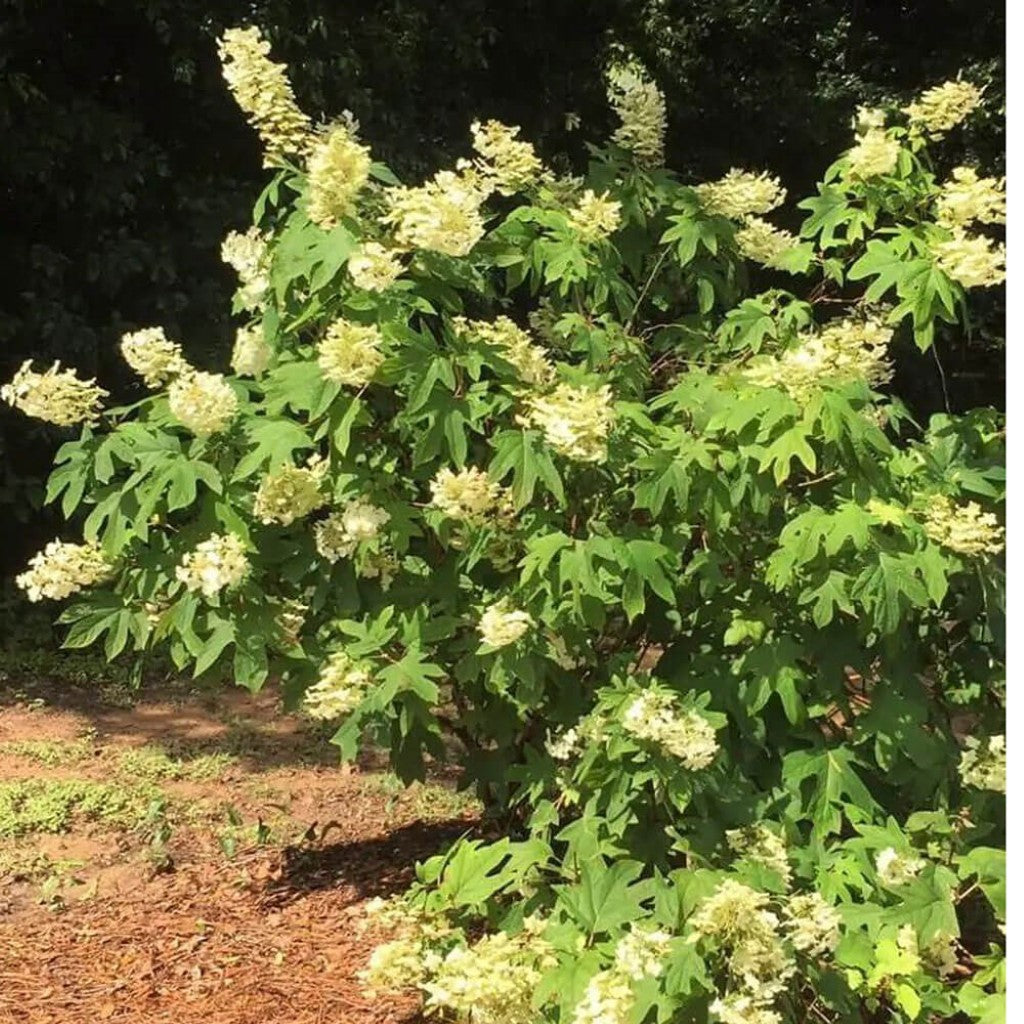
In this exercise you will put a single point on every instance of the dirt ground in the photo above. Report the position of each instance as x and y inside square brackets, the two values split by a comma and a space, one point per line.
[218, 874]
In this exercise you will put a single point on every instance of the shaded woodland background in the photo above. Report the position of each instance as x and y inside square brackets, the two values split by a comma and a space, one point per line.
[124, 162]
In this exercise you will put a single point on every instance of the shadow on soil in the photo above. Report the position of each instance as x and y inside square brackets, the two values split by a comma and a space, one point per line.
[381, 866]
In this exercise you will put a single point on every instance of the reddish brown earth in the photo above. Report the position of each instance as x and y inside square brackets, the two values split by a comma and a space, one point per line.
[273, 933]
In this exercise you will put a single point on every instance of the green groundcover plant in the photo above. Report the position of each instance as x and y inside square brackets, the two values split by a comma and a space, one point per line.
[557, 477]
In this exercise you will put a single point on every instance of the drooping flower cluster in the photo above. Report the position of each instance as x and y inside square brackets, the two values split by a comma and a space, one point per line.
[609, 995]
[343, 531]
[374, 267]
[493, 980]
[153, 356]
[763, 242]
[943, 107]
[843, 352]
[338, 168]
[965, 529]
[972, 260]
[740, 194]
[469, 495]
[350, 353]
[261, 88]
[290, 493]
[516, 346]
[63, 569]
[55, 395]
[203, 402]
[339, 689]
[215, 564]
[654, 717]
[595, 217]
[508, 165]
[967, 199]
[983, 763]
[812, 925]
[737, 921]
[501, 625]
[897, 868]
[759, 843]
[575, 421]
[250, 355]
[442, 215]
[248, 256]
[640, 107]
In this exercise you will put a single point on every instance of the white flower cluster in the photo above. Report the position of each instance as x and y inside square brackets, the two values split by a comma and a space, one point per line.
[516, 345]
[501, 625]
[350, 353]
[442, 215]
[247, 254]
[940, 954]
[340, 689]
[215, 564]
[967, 199]
[759, 843]
[290, 493]
[595, 217]
[203, 402]
[343, 531]
[508, 164]
[983, 763]
[338, 169]
[470, 495]
[763, 242]
[62, 569]
[251, 353]
[373, 267]
[566, 745]
[493, 980]
[943, 107]
[843, 352]
[261, 88]
[291, 619]
[965, 529]
[687, 735]
[875, 152]
[740, 194]
[640, 107]
[897, 868]
[56, 396]
[973, 261]
[575, 421]
[609, 995]
[812, 925]
[737, 920]
[153, 356]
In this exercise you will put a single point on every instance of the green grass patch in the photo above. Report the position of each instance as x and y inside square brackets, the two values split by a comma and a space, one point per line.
[155, 764]
[430, 801]
[52, 753]
[30, 806]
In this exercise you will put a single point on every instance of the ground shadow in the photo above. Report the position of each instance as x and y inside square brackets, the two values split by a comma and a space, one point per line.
[379, 866]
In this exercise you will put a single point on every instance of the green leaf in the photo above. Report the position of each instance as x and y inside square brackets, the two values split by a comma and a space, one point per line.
[607, 897]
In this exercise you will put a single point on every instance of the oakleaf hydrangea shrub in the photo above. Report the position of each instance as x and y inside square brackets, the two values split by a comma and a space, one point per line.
[597, 486]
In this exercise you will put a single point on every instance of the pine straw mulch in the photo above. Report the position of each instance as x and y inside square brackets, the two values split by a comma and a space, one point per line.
[274, 935]
[268, 937]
